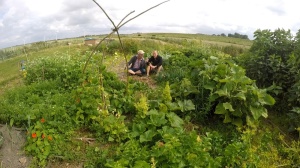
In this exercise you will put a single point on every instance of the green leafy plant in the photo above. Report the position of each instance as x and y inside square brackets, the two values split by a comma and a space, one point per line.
[236, 95]
[40, 141]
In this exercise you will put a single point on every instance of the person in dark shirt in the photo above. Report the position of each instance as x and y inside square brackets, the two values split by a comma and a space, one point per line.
[137, 65]
[154, 63]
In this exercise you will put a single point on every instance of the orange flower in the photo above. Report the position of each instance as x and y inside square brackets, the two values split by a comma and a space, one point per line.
[43, 136]
[49, 138]
[43, 120]
[33, 135]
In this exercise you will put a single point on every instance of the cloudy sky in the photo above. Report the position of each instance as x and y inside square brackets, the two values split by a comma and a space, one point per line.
[26, 21]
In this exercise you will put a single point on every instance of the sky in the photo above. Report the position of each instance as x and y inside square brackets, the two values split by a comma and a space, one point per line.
[27, 21]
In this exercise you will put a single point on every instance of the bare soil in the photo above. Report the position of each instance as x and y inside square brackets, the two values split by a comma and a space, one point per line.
[12, 154]
[119, 69]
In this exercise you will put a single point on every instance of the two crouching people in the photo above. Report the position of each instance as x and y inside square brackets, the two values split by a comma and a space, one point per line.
[137, 64]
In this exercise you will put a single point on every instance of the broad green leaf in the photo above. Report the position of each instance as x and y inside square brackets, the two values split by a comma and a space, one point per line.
[47, 150]
[241, 96]
[238, 122]
[228, 106]
[269, 100]
[250, 121]
[46, 142]
[213, 97]
[110, 139]
[189, 105]
[236, 69]
[213, 58]
[220, 109]
[139, 164]
[256, 112]
[224, 80]
[175, 120]
[138, 129]
[222, 92]
[264, 113]
[180, 104]
[147, 136]
[173, 106]
[167, 130]
[11, 122]
[93, 117]
[238, 111]
[210, 86]
[157, 119]
[229, 86]
[39, 143]
[186, 105]
[221, 70]
[227, 118]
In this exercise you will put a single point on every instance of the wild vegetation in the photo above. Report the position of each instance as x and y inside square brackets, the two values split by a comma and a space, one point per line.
[211, 107]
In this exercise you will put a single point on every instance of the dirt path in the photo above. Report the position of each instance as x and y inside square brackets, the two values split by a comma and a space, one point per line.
[12, 154]
[119, 69]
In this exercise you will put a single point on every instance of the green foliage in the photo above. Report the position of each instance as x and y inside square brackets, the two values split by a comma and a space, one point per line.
[236, 96]
[141, 107]
[293, 153]
[232, 50]
[145, 127]
[63, 69]
[273, 61]
[166, 94]
[40, 139]
[294, 120]
[111, 126]
[267, 62]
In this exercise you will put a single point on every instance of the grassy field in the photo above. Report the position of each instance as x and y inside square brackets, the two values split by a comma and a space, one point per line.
[10, 68]
[205, 39]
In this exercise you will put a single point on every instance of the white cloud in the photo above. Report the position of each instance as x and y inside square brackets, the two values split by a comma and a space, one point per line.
[36, 20]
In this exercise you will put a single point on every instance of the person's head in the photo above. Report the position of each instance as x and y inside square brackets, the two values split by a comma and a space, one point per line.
[140, 54]
[154, 53]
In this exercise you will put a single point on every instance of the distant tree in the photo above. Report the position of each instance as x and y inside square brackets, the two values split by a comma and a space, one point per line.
[237, 35]
[223, 34]
[297, 44]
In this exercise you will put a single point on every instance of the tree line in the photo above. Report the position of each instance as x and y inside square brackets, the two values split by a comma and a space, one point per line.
[235, 35]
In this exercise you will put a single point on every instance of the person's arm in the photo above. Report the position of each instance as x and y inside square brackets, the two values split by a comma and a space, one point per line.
[131, 61]
[143, 64]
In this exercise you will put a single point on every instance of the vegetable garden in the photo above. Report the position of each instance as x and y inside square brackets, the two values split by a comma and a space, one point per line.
[208, 109]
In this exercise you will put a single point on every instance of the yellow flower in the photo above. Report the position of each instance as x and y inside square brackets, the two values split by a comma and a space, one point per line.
[198, 139]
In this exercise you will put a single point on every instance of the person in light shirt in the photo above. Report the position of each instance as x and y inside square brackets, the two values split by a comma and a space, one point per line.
[137, 65]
